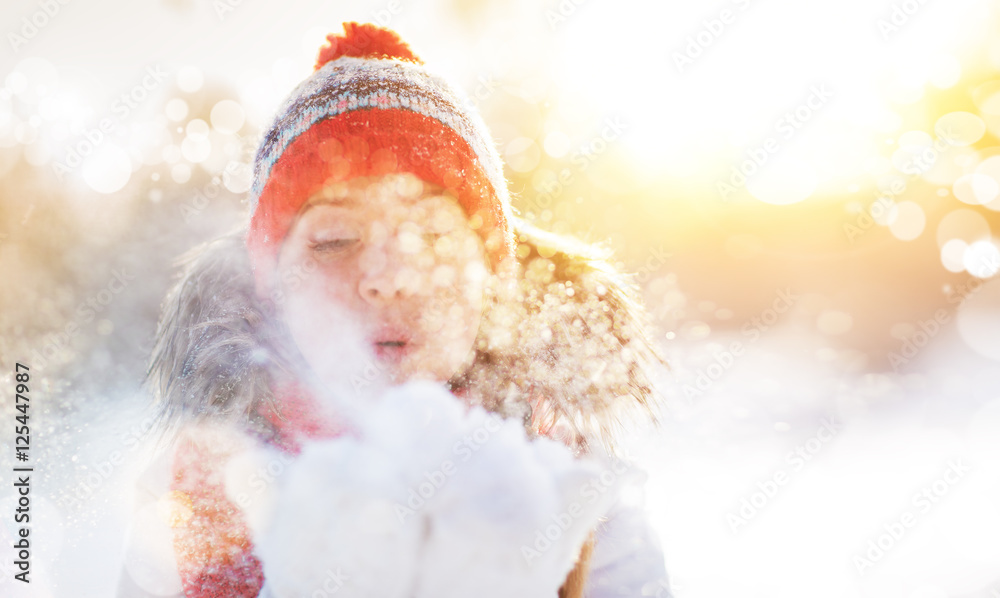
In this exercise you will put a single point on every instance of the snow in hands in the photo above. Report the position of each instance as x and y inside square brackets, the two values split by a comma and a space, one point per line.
[429, 500]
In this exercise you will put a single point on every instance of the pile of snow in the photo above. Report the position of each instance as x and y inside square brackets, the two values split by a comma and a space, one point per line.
[429, 500]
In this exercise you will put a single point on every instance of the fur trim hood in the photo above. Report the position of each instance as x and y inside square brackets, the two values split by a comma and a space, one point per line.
[566, 346]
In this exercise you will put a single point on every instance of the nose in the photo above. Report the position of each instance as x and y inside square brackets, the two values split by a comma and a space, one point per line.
[386, 277]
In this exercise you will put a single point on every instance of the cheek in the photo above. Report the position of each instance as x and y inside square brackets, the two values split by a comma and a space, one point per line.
[454, 300]
[320, 312]
[470, 304]
[467, 307]
[461, 314]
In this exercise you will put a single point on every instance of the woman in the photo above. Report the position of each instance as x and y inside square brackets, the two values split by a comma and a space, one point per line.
[381, 249]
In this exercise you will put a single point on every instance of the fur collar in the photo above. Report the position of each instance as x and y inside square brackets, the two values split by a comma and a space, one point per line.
[572, 333]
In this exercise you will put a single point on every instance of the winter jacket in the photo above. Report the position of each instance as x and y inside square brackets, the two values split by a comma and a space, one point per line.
[577, 364]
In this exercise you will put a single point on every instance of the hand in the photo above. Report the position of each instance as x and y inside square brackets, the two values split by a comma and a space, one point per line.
[431, 501]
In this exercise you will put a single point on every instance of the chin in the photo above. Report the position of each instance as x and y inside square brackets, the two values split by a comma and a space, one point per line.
[421, 370]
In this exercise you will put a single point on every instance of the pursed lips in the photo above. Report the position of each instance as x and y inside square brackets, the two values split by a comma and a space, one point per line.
[391, 351]
[391, 342]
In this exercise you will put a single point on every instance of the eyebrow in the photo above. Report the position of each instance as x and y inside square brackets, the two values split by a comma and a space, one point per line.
[319, 199]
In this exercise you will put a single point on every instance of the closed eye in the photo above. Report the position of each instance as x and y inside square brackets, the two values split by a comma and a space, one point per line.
[334, 245]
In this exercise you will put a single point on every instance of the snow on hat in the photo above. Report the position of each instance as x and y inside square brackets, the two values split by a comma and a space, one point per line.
[368, 109]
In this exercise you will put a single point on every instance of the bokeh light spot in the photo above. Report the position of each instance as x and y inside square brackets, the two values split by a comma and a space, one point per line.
[176, 109]
[979, 321]
[522, 154]
[181, 173]
[196, 149]
[228, 116]
[975, 189]
[557, 144]
[190, 79]
[784, 181]
[960, 128]
[963, 223]
[909, 221]
[990, 167]
[108, 169]
[982, 259]
[197, 128]
[953, 255]
[237, 177]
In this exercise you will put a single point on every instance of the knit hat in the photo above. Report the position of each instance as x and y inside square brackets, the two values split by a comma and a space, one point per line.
[368, 109]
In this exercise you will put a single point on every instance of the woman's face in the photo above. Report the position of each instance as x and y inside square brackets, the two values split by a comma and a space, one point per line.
[382, 278]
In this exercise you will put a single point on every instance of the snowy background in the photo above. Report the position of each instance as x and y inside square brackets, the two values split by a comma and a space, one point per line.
[864, 388]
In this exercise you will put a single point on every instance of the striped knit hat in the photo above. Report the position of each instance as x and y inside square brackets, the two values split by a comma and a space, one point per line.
[368, 109]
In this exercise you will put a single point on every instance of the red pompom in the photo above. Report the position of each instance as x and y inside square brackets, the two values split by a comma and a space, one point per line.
[364, 40]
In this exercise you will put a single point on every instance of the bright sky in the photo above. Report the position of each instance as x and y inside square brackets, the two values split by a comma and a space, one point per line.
[750, 61]
[809, 99]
